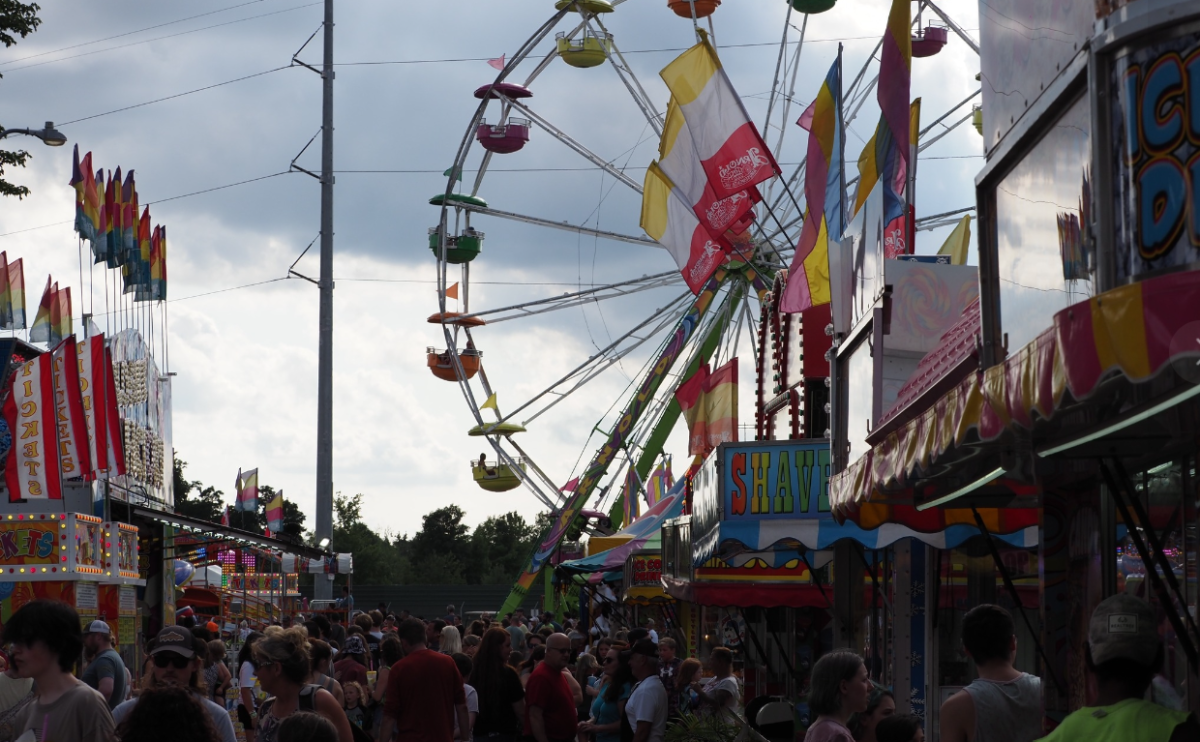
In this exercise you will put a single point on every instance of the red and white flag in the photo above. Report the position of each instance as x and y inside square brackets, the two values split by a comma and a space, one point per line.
[116, 440]
[93, 393]
[225, 517]
[32, 472]
[497, 63]
[678, 159]
[74, 455]
[669, 220]
[731, 151]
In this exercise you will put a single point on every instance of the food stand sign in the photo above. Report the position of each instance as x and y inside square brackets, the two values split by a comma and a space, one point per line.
[1156, 134]
[775, 480]
[647, 570]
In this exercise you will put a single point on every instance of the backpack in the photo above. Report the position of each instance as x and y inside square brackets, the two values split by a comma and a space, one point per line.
[308, 702]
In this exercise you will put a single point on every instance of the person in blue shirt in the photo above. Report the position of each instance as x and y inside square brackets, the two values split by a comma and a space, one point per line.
[609, 706]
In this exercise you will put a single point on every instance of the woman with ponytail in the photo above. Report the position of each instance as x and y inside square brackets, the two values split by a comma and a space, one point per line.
[282, 661]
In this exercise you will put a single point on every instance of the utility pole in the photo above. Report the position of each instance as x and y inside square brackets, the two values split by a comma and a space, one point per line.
[323, 589]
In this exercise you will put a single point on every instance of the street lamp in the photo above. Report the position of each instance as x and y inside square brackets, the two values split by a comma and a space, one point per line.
[323, 543]
[48, 134]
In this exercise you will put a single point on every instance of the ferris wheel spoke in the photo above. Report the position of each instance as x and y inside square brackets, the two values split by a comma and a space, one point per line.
[565, 226]
[551, 484]
[566, 139]
[585, 296]
[625, 72]
[605, 354]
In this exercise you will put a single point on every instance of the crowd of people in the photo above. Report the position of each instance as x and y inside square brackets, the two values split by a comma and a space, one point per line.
[518, 679]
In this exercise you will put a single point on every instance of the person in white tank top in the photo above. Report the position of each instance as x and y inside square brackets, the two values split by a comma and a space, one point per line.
[1003, 704]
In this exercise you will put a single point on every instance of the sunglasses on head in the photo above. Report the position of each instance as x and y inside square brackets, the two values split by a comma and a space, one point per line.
[178, 661]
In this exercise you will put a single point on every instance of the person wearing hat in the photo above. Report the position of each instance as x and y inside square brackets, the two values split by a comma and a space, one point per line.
[177, 661]
[1124, 653]
[352, 665]
[106, 671]
[646, 709]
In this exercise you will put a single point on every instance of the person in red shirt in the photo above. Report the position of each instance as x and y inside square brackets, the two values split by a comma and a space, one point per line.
[352, 667]
[550, 714]
[424, 693]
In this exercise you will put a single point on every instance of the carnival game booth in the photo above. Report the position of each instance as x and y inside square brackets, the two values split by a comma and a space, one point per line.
[765, 570]
[626, 576]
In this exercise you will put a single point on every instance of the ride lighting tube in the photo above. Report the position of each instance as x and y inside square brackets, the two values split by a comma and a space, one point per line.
[962, 490]
[1122, 424]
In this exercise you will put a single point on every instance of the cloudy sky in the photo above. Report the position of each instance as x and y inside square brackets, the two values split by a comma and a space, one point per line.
[243, 341]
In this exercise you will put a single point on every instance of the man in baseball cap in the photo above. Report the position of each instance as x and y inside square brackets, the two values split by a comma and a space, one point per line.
[106, 671]
[1125, 653]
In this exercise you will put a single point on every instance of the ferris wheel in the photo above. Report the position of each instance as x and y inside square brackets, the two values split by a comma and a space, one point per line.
[682, 330]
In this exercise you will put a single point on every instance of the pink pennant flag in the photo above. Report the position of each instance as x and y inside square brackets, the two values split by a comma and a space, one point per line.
[497, 63]
[570, 486]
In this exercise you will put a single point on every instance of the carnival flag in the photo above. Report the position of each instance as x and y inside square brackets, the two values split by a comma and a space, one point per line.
[490, 403]
[31, 471]
[631, 496]
[247, 497]
[957, 243]
[93, 390]
[661, 482]
[62, 325]
[678, 160]
[116, 222]
[824, 219]
[669, 220]
[570, 485]
[731, 151]
[103, 194]
[868, 173]
[497, 64]
[721, 405]
[73, 451]
[85, 209]
[275, 512]
[690, 396]
[15, 295]
[452, 291]
[895, 70]
[129, 217]
[114, 438]
[709, 404]
[41, 330]
[225, 517]
[158, 266]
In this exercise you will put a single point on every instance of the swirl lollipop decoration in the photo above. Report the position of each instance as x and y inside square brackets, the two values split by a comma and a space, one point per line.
[923, 307]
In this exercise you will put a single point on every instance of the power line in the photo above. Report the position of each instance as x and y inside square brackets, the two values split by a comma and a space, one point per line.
[177, 95]
[129, 33]
[159, 38]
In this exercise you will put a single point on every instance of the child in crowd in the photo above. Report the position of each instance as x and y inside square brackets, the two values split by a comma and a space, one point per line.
[355, 711]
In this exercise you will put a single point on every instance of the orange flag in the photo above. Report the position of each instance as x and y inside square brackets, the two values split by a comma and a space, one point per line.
[452, 291]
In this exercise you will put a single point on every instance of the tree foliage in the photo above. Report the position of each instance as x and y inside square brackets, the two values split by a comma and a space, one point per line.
[16, 19]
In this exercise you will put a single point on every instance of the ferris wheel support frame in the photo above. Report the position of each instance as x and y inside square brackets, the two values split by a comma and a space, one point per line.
[563, 517]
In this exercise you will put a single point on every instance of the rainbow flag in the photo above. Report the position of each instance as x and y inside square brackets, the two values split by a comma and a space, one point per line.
[630, 496]
[129, 218]
[81, 178]
[100, 244]
[62, 325]
[895, 72]
[731, 151]
[15, 295]
[6, 309]
[878, 150]
[247, 491]
[42, 331]
[661, 482]
[668, 218]
[158, 265]
[116, 221]
[275, 512]
[824, 176]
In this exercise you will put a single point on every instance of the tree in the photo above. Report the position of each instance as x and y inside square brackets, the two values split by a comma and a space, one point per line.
[499, 547]
[20, 19]
[376, 559]
[193, 499]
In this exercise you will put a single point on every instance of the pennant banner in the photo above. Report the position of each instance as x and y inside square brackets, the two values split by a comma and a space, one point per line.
[661, 482]
[709, 404]
[74, 454]
[32, 469]
[631, 496]
[93, 392]
[14, 296]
